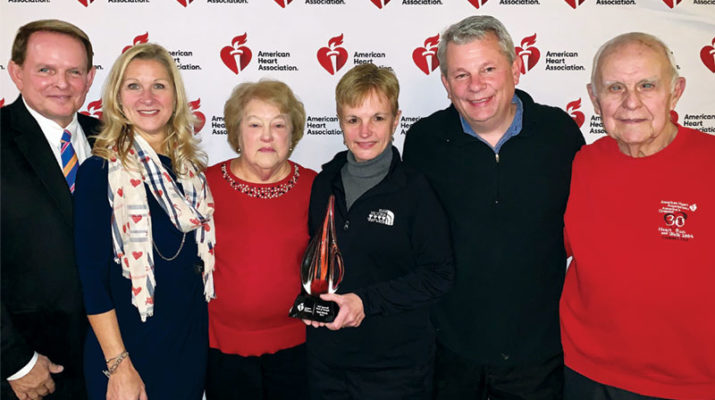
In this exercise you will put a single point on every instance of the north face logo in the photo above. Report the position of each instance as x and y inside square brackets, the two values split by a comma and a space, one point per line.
[385, 217]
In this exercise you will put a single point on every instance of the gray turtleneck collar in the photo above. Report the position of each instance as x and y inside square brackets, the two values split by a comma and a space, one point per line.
[359, 177]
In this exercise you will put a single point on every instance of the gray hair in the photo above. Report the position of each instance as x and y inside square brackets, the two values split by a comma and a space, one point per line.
[473, 28]
[645, 39]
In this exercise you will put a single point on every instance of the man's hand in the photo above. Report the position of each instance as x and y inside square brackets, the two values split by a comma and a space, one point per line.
[38, 382]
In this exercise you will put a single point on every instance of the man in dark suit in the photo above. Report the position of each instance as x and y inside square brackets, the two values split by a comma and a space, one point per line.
[43, 142]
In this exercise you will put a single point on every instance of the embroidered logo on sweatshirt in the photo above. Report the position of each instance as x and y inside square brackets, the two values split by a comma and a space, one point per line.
[385, 217]
[675, 216]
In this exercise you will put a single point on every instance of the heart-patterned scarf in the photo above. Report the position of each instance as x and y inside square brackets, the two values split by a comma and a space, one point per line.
[131, 222]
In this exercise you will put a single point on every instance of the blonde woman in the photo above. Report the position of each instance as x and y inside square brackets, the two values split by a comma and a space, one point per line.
[143, 214]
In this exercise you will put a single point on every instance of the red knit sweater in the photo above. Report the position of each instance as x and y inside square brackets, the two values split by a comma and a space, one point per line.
[638, 305]
[259, 246]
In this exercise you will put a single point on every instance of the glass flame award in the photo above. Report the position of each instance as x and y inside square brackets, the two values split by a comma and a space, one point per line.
[320, 272]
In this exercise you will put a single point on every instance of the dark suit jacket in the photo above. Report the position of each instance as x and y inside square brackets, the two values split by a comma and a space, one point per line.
[42, 306]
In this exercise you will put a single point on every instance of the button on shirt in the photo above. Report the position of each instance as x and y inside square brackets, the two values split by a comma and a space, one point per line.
[53, 134]
[513, 130]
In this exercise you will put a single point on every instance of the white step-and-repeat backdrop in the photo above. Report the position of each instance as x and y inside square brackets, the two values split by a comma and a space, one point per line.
[310, 44]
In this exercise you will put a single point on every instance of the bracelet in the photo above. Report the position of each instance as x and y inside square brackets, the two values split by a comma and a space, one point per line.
[117, 360]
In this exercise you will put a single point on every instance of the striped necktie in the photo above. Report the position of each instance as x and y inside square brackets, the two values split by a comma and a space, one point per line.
[69, 159]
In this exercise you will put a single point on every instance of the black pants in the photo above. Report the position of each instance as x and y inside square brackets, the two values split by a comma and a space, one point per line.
[578, 387]
[460, 378]
[328, 382]
[279, 376]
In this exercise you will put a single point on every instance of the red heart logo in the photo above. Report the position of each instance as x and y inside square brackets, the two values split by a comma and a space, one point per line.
[194, 221]
[236, 57]
[577, 116]
[94, 109]
[136, 290]
[120, 192]
[185, 2]
[707, 54]
[529, 54]
[380, 3]
[159, 193]
[477, 3]
[126, 261]
[672, 3]
[135, 182]
[136, 218]
[207, 228]
[332, 58]
[137, 39]
[283, 3]
[674, 116]
[425, 58]
[198, 115]
[149, 300]
[574, 3]
[137, 254]
[86, 3]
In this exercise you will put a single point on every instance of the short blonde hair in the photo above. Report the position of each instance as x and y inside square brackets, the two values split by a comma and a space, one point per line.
[117, 131]
[363, 79]
[274, 92]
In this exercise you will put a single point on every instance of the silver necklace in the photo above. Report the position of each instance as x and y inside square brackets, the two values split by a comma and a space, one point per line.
[172, 258]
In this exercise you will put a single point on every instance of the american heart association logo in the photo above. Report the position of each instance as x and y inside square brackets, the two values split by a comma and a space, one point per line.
[672, 3]
[572, 109]
[237, 56]
[94, 109]
[707, 54]
[85, 3]
[574, 3]
[332, 58]
[137, 39]
[185, 2]
[283, 3]
[380, 3]
[425, 58]
[200, 117]
[528, 53]
[477, 3]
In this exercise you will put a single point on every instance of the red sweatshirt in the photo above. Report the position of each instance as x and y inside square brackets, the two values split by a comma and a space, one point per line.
[259, 247]
[638, 305]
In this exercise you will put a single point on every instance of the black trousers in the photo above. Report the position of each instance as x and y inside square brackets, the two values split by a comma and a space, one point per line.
[279, 376]
[460, 378]
[578, 387]
[328, 382]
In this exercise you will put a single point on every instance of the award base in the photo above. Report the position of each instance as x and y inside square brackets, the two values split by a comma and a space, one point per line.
[314, 309]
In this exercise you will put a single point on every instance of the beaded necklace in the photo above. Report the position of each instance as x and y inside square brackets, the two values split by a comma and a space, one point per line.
[265, 192]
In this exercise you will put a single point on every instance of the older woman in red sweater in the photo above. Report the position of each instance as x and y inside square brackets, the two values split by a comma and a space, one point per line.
[261, 216]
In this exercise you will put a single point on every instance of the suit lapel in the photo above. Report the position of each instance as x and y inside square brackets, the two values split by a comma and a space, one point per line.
[33, 145]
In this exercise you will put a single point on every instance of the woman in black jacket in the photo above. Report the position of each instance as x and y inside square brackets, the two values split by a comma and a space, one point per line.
[394, 239]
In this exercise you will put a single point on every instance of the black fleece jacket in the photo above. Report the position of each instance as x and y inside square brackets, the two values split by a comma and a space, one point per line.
[398, 260]
[506, 219]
